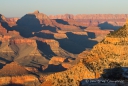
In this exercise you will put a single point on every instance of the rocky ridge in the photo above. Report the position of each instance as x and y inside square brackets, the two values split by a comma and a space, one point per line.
[112, 49]
[14, 74]
[71, 76]
[93, 19]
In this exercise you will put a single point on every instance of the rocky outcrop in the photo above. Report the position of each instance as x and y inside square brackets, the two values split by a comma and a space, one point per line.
[71, 76]
[12, 21]
[111, 50]
[56, 60]
[65, 27]
[2, 30]
[94, 19]
[56, 49]
[99, 33]
[2, 18]
[44, 19]
[13, 69]
[20, 49]
[14, 74]
[28, 80]
[60, 36]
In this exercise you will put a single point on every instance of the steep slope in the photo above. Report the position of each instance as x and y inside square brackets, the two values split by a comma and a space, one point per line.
[107, 53]
[2, 29]
[27, 52]
[14, 74]
[113, 49]
[100, 34]
[22, 50]
[70, 77]
[12, 21]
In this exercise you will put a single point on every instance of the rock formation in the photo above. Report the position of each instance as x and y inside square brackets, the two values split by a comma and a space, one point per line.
[109, 53]
[13, 69]
[14, 74]
[112, 49]
[93, 19]
[100, 34]
[71, 76]
[51, 44]
[12, 21]
[44, 19]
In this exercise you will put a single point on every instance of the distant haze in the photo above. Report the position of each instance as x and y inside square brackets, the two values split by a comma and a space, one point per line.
[17, 8]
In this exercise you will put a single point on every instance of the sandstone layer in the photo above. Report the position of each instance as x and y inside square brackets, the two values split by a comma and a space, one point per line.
[14, 74]
[71, 76]
[94, 19]
[111, 50]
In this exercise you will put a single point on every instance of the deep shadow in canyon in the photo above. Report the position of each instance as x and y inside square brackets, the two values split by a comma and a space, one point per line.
[108, 26]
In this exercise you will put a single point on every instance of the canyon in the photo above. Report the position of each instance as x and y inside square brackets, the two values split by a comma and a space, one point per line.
[60, 50]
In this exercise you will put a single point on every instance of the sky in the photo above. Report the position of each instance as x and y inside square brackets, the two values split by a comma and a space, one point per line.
[18, 8]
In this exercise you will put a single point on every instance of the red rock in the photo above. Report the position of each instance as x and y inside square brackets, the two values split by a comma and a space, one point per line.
[12, 21]
[44, 19]
[114, 19]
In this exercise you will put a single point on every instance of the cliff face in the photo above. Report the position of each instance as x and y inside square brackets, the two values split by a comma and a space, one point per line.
[12, 21]
[99, 33]
[113, 49]
[94, 19]
[28, 80]
[44, 19]
[90, 16]
[109, 52]
[56, 49]
[53, 43]
[14, 74]
[71, 76]
[2, 29]
[64, 26]
[20, 49]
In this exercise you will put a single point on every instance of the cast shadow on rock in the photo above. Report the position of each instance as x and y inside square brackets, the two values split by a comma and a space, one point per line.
[2, 59]
[45, 48]
[82, 27]
[61, 21]
[108, 26]
[54, 68]
[27, 25]
[76, 43]
[91, 35]
[44, 35]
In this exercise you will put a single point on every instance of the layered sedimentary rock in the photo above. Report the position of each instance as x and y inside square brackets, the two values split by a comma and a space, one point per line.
[12, 21]
[60, 36]
[56, 49]
[56, 60]
[21, 50]
[44, 19]
[14, 74]
[50, 44]
[2, 18]
[2, 29]
[64, 26]
[99, 33]
[71, 76]
[112, 49]
[94, 19]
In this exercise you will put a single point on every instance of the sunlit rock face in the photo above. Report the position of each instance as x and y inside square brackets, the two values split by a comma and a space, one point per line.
[112, 49]
[71, 76]
[93, 19]
[44, 19]
[14, 74]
